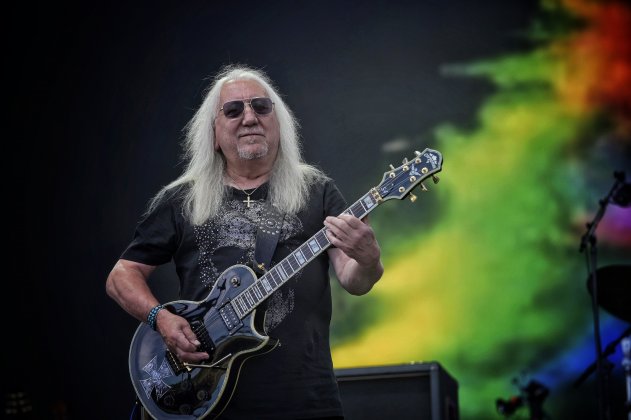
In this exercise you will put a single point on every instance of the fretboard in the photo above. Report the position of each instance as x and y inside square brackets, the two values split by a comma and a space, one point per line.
[278, 275]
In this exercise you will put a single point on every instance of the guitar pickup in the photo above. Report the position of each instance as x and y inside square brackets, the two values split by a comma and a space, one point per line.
[230, 318]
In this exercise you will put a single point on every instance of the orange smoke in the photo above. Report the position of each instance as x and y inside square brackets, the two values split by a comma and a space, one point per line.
[598, 66]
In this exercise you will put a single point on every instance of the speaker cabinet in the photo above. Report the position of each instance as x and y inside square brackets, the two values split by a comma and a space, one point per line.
[410, 391]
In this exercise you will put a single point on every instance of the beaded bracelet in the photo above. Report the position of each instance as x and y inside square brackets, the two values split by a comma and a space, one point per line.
[153, 315]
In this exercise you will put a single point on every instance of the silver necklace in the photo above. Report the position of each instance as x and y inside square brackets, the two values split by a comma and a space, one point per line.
[247, 201]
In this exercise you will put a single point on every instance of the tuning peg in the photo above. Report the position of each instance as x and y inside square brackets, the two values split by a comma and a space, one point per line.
[417, 153]
[423, 187]
[412, 197]
[435, 179]
[405, 160]
[392, 167]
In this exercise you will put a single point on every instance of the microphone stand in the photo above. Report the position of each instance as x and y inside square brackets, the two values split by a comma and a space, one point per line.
[588, 243]
[608, 351]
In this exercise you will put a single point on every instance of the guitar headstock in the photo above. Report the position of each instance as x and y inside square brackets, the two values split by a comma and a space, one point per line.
[399, 182]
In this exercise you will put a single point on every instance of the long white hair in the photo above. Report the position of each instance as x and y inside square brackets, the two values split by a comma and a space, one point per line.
[203, 175]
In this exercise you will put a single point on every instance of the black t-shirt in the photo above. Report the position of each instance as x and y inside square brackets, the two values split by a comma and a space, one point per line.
[295, 380]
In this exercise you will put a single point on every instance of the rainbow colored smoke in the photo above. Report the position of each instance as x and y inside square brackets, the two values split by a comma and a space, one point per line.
[496, 285]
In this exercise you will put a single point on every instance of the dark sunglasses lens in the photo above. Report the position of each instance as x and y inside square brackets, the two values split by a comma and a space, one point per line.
[233, 109]
[262, 106]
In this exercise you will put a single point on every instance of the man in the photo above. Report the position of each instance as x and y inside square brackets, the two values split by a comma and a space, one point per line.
[243, 155]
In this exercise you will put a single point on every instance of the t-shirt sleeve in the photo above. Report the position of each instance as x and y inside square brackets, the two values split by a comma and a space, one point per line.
[155, 239]
[334, 202]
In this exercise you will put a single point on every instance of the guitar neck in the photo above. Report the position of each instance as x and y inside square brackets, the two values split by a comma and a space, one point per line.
[278, 275]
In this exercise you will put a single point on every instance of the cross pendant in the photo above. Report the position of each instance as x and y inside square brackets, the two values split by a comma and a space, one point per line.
[247, 201]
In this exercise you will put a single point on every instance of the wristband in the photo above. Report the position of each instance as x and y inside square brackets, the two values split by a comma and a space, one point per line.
[153, 315]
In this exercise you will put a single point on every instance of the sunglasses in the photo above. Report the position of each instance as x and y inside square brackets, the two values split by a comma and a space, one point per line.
[234, 109]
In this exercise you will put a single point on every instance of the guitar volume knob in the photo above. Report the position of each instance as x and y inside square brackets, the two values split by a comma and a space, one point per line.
[202, 395]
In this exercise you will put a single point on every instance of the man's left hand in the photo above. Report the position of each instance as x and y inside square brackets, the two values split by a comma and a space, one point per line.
[354, 237]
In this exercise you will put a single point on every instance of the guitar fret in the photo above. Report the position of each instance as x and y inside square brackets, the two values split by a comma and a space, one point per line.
[275, 276]
[237, 305]
[242, 304]
[283, 274]
[322, 239]
[306, 251]
[357, 210]
[288, 266]
[272, 277]
[277, 280]
[257, 292]
[360, 202]
[248, 298]
[265, 282]
[368, 201]
[300, 257]
[315, 247]
[236, 309]
[252, 293]
[261, 288]
[262, 291]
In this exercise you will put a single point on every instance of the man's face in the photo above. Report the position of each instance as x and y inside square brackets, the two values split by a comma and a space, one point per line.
[249, 136]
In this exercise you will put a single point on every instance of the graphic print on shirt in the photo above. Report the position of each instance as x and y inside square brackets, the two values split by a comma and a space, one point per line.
[233, 231]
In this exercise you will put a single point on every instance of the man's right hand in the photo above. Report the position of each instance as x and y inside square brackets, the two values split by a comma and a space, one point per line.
[179, 337]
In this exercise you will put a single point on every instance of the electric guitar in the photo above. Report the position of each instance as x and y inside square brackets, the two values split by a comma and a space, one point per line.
[226, 322]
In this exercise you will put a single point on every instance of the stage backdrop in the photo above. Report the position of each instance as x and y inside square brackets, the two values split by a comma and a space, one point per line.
[483, 272]
[528, 101]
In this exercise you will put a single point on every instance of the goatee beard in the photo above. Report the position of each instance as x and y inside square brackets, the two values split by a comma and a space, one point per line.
[250, 155]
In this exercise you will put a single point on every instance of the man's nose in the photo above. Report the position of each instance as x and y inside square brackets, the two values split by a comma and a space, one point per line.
[249, 116]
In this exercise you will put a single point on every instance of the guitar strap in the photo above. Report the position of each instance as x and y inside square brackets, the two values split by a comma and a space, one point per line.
[269, 227]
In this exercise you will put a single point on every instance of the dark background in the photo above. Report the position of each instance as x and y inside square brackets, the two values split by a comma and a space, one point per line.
[98, 95]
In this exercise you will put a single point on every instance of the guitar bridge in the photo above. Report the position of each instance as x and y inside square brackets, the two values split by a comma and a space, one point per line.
[177, 366]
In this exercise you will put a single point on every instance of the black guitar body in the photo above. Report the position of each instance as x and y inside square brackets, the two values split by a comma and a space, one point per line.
[170, 389]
